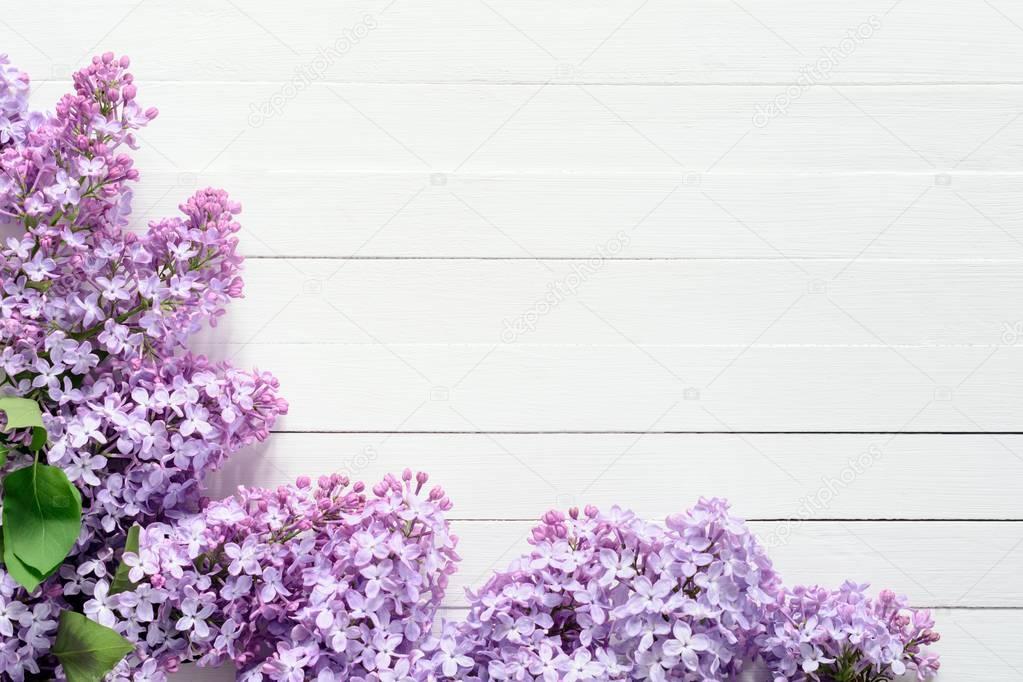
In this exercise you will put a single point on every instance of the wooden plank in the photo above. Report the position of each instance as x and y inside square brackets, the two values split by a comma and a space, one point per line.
[597, 302]
[667, 215]
[495, 387]
[617, 41]
[462, 345]
[972, 646]
[525, 128]
[935, 563]
[975, 645]
[783, 476]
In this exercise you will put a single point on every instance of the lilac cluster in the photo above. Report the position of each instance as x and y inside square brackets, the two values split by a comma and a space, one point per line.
[13, 101]
[610, 596]
[93, 318]
[324, 581]
[844, 635]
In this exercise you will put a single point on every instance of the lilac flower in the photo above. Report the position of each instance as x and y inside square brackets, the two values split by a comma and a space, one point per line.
[42, 626]
[819, 634]
[99, 607]
[289, 663]
[244, 557]
[113, 289]
[92, 168]
[605, 596]
[36, 205]
[686, 645]
[236, 588]
[39, 267]
[83, 468]
[84, 430]
[315, 610]
[92, 315]
[449, 660]
[12, 613]
[139, 604]
[194, 609]
[64, 190]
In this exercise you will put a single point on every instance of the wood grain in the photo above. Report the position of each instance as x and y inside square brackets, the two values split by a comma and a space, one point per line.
[621, 41]
[489, 128]
[510, 387]
[668, 214]
[848, 476]
[605, 302]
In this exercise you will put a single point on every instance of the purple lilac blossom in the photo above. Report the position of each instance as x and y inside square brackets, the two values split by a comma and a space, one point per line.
[13, 102]
[93, 322]
[818, 634]
[327, 583]
[610, 596]
[324, 581]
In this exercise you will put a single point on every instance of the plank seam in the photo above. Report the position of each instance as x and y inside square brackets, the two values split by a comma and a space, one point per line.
[725, 259]
[654, 433]
[469, 83]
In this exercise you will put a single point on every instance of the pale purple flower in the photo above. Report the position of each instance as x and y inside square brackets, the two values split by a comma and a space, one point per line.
[12, 613]
[449, 660]
[64, 190]
[686, 645]
[84, 430]
[195, 609]
[36, 204]
[100, 607]
[83, 468]
[114, 288]
[244, 557]
[92, 168]
[139, 602]
[288, 663]
[39, 267]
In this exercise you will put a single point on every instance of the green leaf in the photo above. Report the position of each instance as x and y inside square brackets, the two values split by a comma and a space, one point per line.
[42, 516]
[23, 413]
[39, 437]
[86, 649]
[121, 582]
[26, 576]
[3, 454]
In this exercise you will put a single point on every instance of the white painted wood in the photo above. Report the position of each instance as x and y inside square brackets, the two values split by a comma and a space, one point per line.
[975, 645]
[495, 387]
[600, 303]
[667, 215]
[555, 129]
[681, 345]
[783, 476]
[625, 41]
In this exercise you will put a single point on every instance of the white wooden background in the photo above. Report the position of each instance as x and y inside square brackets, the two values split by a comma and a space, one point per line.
[815, 314]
